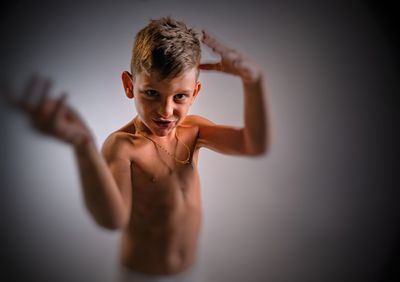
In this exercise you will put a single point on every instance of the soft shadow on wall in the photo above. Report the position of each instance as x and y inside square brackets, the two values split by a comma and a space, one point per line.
[386, 16]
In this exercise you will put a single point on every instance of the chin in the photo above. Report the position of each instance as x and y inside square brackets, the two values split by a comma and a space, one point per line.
[161, 132]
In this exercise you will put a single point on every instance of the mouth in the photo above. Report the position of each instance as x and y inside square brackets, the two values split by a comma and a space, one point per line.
[164, 123]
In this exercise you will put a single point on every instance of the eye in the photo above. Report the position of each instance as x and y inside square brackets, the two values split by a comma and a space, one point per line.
[151, 93]
[180, 97]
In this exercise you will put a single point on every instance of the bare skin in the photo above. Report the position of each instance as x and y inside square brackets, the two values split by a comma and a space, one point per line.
[165, 218]
[140, 183]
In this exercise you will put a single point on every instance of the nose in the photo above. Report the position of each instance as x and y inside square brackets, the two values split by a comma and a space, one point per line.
[166, 109]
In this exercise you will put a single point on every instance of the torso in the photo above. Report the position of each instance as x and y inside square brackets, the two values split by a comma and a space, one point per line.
[166, 212]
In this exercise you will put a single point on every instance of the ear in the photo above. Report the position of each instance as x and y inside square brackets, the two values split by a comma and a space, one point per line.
[196, 91]
[127, 82]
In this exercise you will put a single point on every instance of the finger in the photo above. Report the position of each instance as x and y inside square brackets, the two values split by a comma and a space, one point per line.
[228, 54]
[30, 87]
[213, 43]
[215, 66]
[232, 57]
[24, 103]
[9, 95]
[57, 112]
[43, 95]
[11, 98]
[237, 62]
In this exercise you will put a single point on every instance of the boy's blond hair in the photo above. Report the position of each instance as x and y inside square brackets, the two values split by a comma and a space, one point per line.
[167, 47]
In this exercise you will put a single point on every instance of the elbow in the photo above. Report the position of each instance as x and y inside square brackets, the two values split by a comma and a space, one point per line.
[106, 223]
[258, 150]
[256, 146]
[112, 225]
[109, 222]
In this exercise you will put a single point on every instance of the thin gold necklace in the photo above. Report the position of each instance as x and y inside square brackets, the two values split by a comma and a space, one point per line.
[164, 149]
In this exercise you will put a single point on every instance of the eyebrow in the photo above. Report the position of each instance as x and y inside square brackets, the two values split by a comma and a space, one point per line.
[183, 91]
[147, 86]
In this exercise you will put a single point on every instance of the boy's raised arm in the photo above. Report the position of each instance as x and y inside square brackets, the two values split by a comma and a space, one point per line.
[106, 182]
[52, 117]
[254, 138]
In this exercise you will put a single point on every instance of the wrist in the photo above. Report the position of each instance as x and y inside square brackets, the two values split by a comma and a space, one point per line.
[83, 143]
[254, 79]
[252, 75]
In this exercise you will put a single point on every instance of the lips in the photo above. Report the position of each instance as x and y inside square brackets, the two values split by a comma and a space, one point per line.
[163, 123]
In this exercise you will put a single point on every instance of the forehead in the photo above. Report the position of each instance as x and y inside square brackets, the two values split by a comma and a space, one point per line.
[187, 80]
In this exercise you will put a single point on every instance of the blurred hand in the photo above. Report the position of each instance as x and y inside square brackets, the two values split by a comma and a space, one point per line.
[232, 61]
[51, 117]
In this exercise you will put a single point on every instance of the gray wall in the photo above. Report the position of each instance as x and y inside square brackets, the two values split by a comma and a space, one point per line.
[319, 207]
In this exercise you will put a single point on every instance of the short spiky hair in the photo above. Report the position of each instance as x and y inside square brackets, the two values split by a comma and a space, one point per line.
[165, 46]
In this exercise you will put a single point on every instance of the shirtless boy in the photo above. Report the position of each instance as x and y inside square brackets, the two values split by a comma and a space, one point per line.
[145, 181]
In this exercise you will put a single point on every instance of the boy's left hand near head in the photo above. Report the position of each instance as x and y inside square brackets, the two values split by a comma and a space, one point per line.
[232, 61]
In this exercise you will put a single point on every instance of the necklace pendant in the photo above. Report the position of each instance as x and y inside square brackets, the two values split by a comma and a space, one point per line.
[184, 162]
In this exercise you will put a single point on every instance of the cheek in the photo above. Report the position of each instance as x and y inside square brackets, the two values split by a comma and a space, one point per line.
[141, 109]
[143, 105]
[138, 106]
[182, 109]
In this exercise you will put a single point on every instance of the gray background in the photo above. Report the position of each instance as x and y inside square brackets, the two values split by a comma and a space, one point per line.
[320, 206]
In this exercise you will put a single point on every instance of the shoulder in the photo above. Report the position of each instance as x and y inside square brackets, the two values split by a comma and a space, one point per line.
[118, 144]
[119, 138]
[195, 120]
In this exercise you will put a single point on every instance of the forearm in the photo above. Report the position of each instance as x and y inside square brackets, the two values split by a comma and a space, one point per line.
[256, 117]
[101, 195]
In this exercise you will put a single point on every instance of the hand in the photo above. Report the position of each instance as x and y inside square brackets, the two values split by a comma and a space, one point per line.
[232, 62]
[51, 117]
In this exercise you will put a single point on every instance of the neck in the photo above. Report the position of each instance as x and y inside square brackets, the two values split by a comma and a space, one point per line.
[167, 140]
[143, 129]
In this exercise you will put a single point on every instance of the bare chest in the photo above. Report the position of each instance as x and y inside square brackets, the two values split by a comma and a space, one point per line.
[162, 184]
